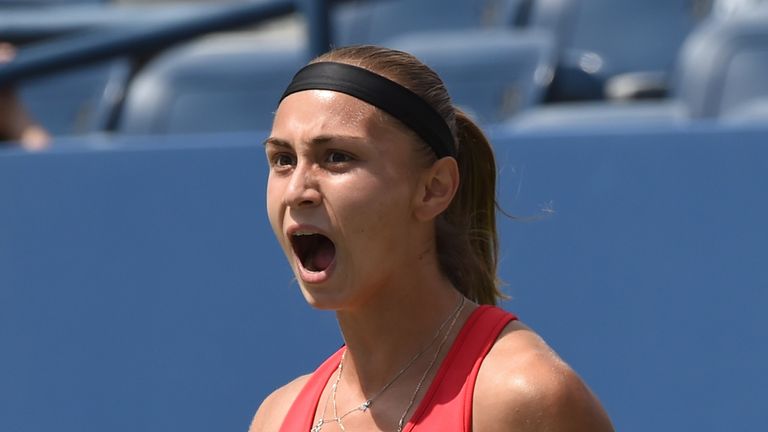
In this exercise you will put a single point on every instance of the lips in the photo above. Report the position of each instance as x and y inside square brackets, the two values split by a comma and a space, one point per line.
[316, 252]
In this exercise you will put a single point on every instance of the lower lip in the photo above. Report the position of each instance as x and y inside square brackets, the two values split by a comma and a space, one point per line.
[312, 277]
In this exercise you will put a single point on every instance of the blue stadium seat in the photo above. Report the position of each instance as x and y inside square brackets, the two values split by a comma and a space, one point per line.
[724, 64]
[232, 86]
[81, 100]
[720, 75]
[378, 20]
[755, 112]
[596, 115]
[599, 39]
[492, 74]
[75, 102]
[207, 87]
[210, 87]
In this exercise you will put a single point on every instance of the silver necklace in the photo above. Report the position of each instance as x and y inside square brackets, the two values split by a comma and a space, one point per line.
[400, 422]
[453, 317]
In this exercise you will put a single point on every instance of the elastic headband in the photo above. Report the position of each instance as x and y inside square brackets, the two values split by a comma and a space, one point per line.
[396, 100]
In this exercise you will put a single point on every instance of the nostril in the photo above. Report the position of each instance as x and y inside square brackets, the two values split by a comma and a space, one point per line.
[303, 197]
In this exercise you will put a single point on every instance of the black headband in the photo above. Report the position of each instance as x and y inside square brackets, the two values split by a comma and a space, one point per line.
[396, 100]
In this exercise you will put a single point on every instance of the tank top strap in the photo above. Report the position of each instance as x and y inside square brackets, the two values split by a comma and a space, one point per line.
[302, 412]
[447, 406]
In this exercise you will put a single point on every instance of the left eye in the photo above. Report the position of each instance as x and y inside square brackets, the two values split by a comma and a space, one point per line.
[337, 157]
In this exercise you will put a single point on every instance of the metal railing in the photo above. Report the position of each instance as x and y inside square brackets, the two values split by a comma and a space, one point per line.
[93, 46]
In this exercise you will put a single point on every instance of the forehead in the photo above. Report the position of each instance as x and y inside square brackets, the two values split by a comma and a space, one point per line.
[323, 110]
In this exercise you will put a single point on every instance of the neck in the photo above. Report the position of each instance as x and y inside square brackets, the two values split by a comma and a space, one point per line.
[384, 333]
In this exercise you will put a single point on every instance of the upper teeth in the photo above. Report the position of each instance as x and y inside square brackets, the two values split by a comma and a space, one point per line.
[303, 233]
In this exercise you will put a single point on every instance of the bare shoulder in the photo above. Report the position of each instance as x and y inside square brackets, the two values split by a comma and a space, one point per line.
[269, 417]
[524, 386]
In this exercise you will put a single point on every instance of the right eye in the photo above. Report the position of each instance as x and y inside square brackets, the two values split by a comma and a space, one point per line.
[282, 160]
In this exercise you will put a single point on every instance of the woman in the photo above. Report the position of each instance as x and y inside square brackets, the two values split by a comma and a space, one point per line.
[382, 196]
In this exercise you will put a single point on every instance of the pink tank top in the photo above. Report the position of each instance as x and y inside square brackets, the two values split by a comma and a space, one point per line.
[447, 405]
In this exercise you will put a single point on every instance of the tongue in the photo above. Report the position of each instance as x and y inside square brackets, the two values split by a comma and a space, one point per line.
[321, 259]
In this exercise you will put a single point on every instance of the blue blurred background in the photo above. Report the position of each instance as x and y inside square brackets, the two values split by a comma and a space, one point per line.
[140, 284]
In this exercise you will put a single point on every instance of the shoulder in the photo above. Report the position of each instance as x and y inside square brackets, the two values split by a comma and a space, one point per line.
[269, 417]
[524, 386]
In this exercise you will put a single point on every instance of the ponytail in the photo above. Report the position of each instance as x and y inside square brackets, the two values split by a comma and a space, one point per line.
[467, 241]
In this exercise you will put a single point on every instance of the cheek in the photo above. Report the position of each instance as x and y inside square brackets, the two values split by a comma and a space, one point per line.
[374, 207]
[274, 202]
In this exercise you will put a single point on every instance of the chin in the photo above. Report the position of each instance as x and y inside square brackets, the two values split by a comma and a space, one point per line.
[323, 297]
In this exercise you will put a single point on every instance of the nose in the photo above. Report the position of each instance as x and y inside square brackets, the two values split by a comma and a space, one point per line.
[302, 190]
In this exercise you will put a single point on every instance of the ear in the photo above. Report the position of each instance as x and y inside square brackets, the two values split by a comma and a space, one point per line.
[437, 188]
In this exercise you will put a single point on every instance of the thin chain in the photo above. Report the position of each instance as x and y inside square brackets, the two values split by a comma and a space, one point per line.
[431, 365]
[367, 403]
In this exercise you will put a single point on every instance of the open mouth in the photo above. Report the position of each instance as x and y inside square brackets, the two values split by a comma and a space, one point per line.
[315, 251]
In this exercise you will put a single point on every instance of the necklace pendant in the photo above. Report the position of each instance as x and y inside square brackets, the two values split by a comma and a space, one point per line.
[365, 405]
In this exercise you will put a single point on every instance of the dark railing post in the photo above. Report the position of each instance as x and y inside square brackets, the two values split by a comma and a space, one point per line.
[317, 16]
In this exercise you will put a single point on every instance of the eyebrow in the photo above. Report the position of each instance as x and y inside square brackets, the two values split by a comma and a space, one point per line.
[318, 140]
[275, 142]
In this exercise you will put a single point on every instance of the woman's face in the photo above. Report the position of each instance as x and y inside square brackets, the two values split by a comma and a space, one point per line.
[343, 182]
